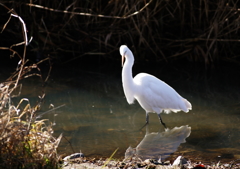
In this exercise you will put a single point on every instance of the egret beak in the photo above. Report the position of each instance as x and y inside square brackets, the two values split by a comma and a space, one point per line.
[123, 58]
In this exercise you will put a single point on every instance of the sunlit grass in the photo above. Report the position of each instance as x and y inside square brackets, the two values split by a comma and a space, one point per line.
[25, 142]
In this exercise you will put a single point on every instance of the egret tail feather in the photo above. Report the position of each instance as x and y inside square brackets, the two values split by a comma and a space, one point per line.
[188, 105]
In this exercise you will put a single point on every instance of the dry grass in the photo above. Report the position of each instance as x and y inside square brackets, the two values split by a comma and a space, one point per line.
[24, 141]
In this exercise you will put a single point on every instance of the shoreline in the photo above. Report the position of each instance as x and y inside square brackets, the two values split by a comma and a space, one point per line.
[179, 163]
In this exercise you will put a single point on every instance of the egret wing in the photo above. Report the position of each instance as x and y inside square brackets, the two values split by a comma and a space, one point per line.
[157, 95]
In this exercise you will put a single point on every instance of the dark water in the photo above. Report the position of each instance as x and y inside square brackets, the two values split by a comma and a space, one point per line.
[97, 120]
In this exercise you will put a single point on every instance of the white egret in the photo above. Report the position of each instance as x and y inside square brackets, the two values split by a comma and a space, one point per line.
[151, 93]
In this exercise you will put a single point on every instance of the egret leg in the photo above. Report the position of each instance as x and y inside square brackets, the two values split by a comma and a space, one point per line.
[147, 118]
[162, 121]
[147, 121]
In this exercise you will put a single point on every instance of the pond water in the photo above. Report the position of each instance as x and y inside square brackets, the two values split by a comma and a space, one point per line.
[96, 119]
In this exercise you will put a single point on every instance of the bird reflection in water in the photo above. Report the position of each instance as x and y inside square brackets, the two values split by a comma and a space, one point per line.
[159, 144]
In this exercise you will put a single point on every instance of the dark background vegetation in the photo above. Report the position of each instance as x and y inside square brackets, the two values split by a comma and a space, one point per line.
[89, 33]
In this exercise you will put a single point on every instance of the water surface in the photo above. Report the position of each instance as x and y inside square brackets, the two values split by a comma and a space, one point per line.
[97, 119]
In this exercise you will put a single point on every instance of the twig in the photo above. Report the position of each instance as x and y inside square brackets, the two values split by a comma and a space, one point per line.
[89, 14]
[39, 116]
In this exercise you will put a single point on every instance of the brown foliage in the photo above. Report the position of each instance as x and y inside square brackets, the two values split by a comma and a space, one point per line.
[24, 141]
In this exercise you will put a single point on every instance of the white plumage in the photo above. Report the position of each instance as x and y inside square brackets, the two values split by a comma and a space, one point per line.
[152, 94]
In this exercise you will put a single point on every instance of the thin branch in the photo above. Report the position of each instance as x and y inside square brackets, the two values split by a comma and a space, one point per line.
[89, 14]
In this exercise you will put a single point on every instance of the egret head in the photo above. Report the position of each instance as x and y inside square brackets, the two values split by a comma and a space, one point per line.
[123, 52]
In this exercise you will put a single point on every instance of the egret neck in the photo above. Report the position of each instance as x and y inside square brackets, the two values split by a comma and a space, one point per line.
[127, 78]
